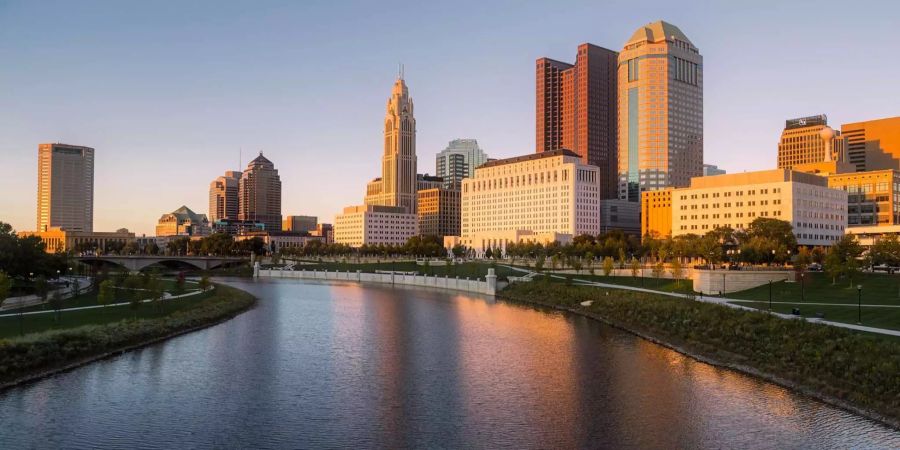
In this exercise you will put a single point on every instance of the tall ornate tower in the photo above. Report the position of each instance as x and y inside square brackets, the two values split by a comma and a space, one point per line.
[397, 185]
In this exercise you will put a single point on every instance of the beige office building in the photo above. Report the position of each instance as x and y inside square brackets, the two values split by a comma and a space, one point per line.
[660, 79]
[374, 224]
[182, 222]
[817, 213]
[808, 140]
[550, 192]
[58, 240]
[224, 200]
[259, 194]
[65, 197]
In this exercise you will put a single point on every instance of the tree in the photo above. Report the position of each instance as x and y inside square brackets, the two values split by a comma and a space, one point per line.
[885, 251]
[204, 283]
[802, 260]
[5, 287]
[488, 254]
[458, 250]
[833, 266]
[608, 266]
[41, 287]
[621, 257]
[677, 271]
[539, 263]
[106, 295]
[576, 264]
[554, 261]
[635, 267]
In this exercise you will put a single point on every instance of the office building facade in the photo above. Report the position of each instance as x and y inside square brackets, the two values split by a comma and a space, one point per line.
[873, 197]
[817, 213]
[660, 92]
[259, 193]
[873, 144]
[656, 213]
[710, 169]
[183, 222]
[65, 197]
[374, 224]
[224, 198]
[439, 212]
[299, 223]
[459, 161]
[808, 140]
[576, 110]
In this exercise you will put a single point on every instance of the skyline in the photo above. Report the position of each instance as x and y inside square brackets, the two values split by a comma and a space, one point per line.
[179, 87]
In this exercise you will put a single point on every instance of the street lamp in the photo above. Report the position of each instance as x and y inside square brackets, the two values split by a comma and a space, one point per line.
[770, 295]
[802, 296]
[859, 304]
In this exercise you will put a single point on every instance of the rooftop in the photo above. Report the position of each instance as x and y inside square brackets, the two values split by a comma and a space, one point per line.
[657, 32]
[529, 157]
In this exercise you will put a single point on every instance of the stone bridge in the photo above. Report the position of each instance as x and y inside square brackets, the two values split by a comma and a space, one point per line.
[136, 263]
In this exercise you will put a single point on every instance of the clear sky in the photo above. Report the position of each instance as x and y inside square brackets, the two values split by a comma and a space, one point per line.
[168, 92]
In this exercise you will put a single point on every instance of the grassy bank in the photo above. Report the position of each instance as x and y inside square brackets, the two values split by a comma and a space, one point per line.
[38, 353]
[468, 269]
[840, 298]
[851, 369]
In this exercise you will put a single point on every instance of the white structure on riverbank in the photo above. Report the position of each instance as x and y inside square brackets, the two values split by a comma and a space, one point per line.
[487, 286]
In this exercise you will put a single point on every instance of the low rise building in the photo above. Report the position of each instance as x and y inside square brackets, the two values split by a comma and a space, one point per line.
[276, 241]
[873, 198]
[868, 235]
[325, 230]
[299, 223]
[817, 213]
[499, 240]
[656, 213]
[438, 211]
[374, 224]
[624, 215]
[235, 227]
[59, 240]
[183, 222]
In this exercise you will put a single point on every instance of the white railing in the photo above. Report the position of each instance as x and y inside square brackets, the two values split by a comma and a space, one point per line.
[486, 286]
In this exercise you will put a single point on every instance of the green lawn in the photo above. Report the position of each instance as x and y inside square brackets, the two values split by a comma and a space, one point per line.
[659, 284]
[877, 288]
[15, 325]
[469, 269]
[89, 298]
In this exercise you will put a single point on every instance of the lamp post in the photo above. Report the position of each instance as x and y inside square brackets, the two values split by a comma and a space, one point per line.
[723, 284]
[859, 304]
[770, 295]
[802, 296]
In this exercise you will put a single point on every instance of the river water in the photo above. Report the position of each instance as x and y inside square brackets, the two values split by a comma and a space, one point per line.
[343, 365]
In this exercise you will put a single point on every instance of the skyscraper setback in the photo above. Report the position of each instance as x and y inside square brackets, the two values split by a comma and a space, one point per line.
[397, 185]
[660, 109]
[576, 110]
[65, 187]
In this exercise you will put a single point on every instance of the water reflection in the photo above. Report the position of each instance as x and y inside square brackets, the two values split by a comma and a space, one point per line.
[331, 365]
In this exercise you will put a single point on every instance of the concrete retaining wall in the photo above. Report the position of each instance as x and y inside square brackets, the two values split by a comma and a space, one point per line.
[487, 286]
[715, 281]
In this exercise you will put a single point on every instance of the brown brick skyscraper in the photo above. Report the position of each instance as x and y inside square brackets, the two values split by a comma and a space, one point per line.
[576, 109]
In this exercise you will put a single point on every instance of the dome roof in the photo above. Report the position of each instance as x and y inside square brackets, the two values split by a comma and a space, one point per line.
[657, 32]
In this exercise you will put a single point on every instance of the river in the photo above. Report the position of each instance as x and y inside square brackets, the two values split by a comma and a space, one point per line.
[343, 365]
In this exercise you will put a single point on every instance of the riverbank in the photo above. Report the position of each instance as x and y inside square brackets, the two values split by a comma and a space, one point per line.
[839, 367]
[38, 355]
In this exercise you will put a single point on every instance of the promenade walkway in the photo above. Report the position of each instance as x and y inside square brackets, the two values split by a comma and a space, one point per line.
[727, 302]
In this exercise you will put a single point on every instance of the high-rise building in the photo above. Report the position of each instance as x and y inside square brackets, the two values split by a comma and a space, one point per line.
[710, 170]
[224, 201]
[65, 196]
[873, 144]
[397, 185]
[459, 161]
[438, 212]
[873, 197]
[576, 110]
[805, 141]
[660, 110]
[299, 223]
[259, 193]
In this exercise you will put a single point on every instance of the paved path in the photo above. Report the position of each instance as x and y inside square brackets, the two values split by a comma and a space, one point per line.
[726, 302]
[166, 296]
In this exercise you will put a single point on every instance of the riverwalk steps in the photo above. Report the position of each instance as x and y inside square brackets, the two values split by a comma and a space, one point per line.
[487, 286]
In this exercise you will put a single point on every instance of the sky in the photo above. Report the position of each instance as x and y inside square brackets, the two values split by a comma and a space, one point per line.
[171, 94]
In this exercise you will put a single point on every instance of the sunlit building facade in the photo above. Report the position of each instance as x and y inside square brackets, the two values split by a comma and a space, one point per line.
[183, 222]
[656, 213]
[817, 213]
[809, 140]
[65, 197]
[259, 194]
[224, 199]
[397, 184]
[873, 197]
[873, 144]
[438, 212]
[576, 110]
[374, 224]
[459, 161]
[660, 80]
